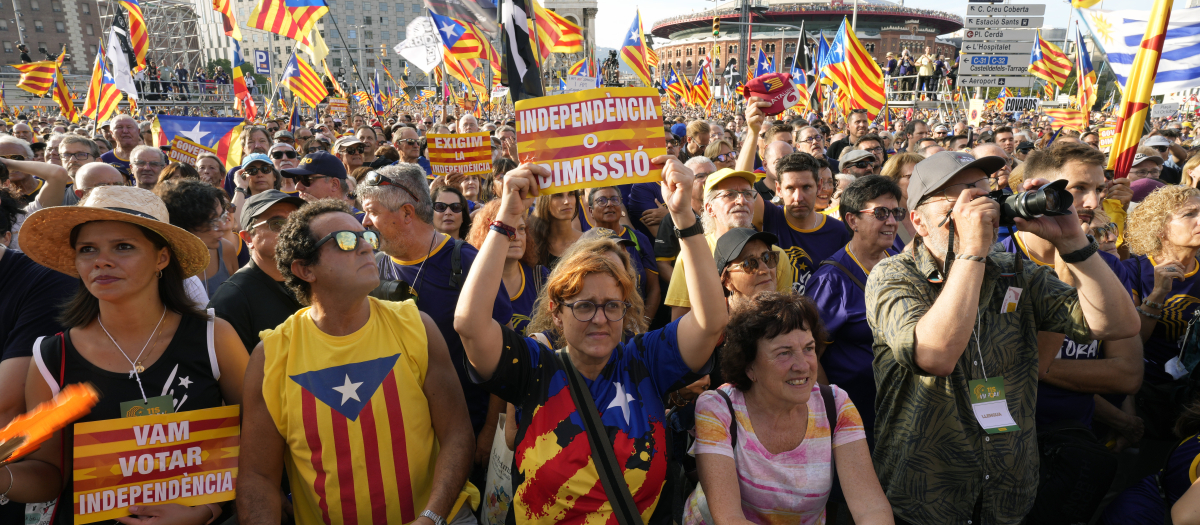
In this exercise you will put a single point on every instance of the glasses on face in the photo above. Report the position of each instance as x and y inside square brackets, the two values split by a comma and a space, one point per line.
[1144, 173]
[881, 213]
[215, 224]
[274, 224]
[255, 170]
[307, 180]
[147, 164]
[726, 157]
[272, 130]
[876, 149]
[347, 240]
[81, 155]
[441, 207]
[374, 178]
[952, 192]
[585, 311]
[815, 139]
[672, 143]
[864, 164]
[409, 142]
[751, 264]
[354, 150]
[601, 202]
[12, 157]
[732, 195]
[1160, 149]
[278, 155]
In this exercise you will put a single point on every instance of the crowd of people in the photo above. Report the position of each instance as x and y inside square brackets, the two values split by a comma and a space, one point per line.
[808, 320]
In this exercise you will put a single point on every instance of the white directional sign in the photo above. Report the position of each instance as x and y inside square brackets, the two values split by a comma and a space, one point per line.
[997, 22]
[1006, 9]
[1000, 35]
[999, 63]
[1016, 82]
[997, 47]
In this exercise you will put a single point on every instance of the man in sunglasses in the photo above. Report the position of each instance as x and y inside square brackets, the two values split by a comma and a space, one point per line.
[283, 156]
[1171, 173]
[1023, 150]
[351, 363]
[874, 144]
[858, 163]
[320, 175]
[254, 298]
[408, 142]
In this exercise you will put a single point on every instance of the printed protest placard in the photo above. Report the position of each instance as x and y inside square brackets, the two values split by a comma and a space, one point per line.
[1108, 136]
[468, 153]
[186, 151]
[189, 458]
[593, 138]
[339, 106]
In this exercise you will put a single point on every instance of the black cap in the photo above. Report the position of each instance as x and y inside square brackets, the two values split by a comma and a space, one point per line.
[729, 246]
[1025, 145]
[318, 163]
[257, 204]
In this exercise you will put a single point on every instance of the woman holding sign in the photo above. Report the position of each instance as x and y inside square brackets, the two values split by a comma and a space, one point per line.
[131, 332]
[592, 301]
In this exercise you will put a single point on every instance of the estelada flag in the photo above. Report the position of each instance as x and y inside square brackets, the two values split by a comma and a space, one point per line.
[138, 32]
[103, 95]
[216, 133]
[36, 77]
[555, 33]
[1135, 104]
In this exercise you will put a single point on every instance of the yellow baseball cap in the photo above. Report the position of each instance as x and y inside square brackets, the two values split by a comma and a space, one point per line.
[726, 173]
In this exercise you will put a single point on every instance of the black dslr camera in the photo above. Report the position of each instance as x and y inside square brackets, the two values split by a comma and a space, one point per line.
[1051, 199]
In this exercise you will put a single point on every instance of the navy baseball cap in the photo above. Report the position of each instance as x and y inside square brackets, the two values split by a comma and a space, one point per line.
[318, 163]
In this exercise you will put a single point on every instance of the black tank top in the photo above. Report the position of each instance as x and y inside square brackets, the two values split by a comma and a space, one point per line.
[186, 371]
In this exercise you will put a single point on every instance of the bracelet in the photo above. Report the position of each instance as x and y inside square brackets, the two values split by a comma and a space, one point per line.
[505, 229]
[1156, 306]
[1081, 254]
[12, 480]
[1156, 317]
[966, 257]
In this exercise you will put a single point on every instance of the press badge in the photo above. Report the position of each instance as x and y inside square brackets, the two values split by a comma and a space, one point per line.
[154, 406]
[988, 402]
[1175, 368]
[1011, 298]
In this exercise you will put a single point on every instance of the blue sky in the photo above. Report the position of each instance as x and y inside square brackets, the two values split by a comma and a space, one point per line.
[615, 17]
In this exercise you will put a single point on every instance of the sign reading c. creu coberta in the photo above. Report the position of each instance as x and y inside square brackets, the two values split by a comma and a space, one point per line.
[469, 153]
[592, 138]
[189, 458]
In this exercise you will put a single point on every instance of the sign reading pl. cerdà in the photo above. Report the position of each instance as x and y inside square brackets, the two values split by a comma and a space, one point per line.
[999, 35]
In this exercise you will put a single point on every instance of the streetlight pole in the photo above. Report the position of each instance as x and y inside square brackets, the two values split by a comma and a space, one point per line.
[20, 27]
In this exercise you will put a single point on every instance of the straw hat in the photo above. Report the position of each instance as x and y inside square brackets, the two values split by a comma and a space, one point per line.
[46, 235]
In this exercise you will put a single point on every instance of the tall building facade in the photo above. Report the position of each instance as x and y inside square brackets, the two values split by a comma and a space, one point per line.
[49, 25]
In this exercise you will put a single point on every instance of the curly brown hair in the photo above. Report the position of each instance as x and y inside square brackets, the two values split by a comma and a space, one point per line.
[1148, 221]
[766, 316]
[297, 243]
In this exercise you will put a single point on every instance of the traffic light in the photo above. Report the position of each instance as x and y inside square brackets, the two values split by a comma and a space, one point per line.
[716, 26]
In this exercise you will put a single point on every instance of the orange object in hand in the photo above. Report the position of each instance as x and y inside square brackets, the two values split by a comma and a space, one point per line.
[28, 431]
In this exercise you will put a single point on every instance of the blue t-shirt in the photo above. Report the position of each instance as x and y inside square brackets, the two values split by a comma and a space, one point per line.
[643, 196]
[1055, 403]
[1181, 304]
[29, 303]
[805, 248]
[642, 256]
[522, 301]
[110, 158]
[438, 298]
[1142, 504]
[424, 164]
[848, 354]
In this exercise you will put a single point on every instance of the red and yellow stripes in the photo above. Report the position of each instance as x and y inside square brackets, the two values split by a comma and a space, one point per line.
[103, 96]
[36, 77]
[138, 32]
[555, 33]
[225, 7]
[858, 73]
[306, 84]
[1135, 105]
[1049, 62]
[62, 96]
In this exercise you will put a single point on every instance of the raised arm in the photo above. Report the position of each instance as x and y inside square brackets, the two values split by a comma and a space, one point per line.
[481, 335]
[754, 122]
[55, 176]
[701, 328]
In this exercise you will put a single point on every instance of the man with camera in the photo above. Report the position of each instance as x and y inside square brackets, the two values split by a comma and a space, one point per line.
[955, 338]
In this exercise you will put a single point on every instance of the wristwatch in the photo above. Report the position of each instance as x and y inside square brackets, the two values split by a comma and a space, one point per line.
[1081, 254]
[244, 191]
[437, 520]
[694, 229]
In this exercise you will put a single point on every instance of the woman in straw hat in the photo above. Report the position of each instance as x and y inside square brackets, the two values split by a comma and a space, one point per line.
[131, 331]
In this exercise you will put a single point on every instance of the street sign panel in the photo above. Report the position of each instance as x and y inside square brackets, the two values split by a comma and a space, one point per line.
[997, 22]
[262, 62]
[997, 47]
[1016, 82]
[1000, 35]
[998, 64]
[1006, 9]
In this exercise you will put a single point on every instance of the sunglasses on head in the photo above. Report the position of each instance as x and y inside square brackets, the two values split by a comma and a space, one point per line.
[882, 213]
[347, 240]
[751, 264]
[277, 155]
[374, 178]
[441, 207]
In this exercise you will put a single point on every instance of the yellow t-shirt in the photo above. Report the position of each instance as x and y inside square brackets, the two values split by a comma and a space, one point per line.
[361, 445]
[677, 292]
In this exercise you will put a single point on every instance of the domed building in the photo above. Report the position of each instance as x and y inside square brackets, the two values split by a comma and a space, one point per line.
[883, 26]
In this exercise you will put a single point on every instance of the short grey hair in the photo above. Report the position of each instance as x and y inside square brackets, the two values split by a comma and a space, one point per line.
[412, 178]
[10, 139]
[162, 157]
[697, 161]
[504, 128]
[72, 138]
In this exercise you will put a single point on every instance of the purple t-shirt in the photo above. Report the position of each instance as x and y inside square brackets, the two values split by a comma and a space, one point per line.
[805, 248]
[523, 298]
[1055, 403]
[1142, 504]
[1181, 304]
[848, 353]
[643, 196]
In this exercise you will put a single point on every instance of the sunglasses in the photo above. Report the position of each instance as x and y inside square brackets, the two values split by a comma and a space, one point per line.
[409, 142]
[307, 180]
[751, 264]
[726, 157]
[252, 171]
[277, 155]
[374, 178]
[347, 240]
[864, 164]
[12, 157]
[882, 213]
[274, 224]
[354, 150]
[441, 207]
[1160, 149]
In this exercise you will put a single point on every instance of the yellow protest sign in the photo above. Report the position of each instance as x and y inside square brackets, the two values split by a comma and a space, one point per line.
[468, 153]
[189, 458]
[339, 106]
[1108, 136]
[593, 138]
[186, 151]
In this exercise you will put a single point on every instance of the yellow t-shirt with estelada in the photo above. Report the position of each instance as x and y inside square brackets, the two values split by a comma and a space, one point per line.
[677, 292]
[361, 445]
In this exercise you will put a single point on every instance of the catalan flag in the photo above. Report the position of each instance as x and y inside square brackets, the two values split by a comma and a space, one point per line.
[633, 50]
[1085, 76]
[240, 92]
[299, 77]
[701, 93]
[1135, 106]
[1067, 117]
[138, 35]
[673, 85]
[3, 105]
[555, 33]
[288, 18]
[1049, 63]
[460, 39]
[103, 95]
[651, 57]
[36, 77]
[578, 68]
[853, 69]
[62, 96]
[376, 97]
[225, 7]
[763, 65]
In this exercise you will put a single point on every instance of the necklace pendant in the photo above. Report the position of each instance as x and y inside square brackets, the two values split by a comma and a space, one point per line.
[140, 369]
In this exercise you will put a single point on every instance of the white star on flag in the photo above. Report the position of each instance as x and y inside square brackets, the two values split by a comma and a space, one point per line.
[449, 30]
[195, 135]
[349, 390]
[621, 400]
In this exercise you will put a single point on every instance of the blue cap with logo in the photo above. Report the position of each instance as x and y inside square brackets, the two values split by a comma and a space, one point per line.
[318, 163]
[256, 157]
